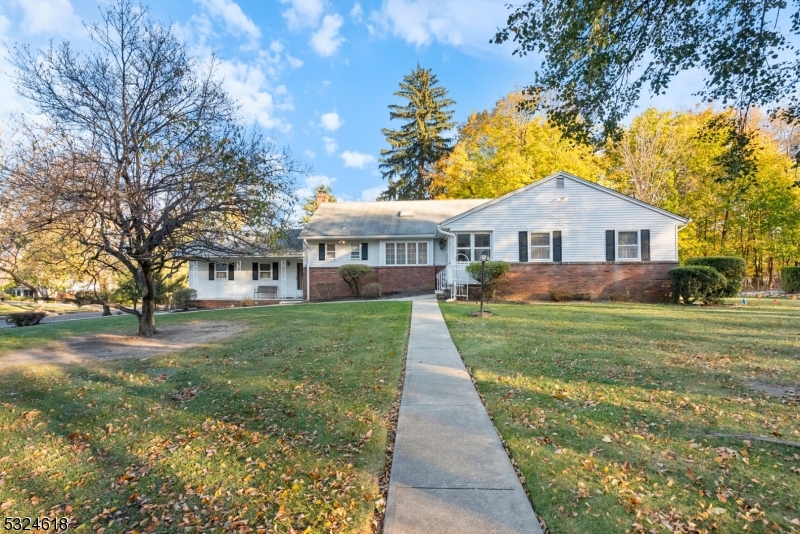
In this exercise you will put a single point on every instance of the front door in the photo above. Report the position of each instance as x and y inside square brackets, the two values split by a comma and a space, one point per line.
[300, 280]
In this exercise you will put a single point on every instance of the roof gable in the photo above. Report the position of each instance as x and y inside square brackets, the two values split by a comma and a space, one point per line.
[566, 175]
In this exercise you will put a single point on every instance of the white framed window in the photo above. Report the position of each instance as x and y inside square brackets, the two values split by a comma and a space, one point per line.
[330, 251]
[221, 271]
[540, 246]
[414, 253]
[470, 246]
[355, 252]
[265, 271]
[628, 245]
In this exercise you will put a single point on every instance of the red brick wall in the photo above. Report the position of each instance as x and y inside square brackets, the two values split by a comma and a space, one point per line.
[640, 281]
[391, 279]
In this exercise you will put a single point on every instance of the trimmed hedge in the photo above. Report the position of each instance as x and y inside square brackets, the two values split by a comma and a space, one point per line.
[790, 279]
[732, 268]
[372, 291]
[25, 318]
[493, 272]
[696, 282]
[352, 273]
[184, 298]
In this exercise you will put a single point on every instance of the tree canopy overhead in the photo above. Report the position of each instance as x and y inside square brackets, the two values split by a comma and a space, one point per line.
[420, 141]
[599, 55]
[144, 160]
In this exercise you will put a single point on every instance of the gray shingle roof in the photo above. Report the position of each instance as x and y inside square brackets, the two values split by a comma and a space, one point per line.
[354, 219]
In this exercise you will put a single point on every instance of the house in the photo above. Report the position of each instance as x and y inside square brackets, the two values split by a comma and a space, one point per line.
[560, 233]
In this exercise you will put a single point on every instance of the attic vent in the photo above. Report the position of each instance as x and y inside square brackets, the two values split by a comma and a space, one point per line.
[559, 182]
[407, 213]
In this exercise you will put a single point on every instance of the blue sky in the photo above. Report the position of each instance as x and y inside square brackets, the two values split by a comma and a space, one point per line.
[320, 74]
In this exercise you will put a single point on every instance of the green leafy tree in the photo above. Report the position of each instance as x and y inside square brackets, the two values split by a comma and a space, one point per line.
[420, 141]
[312, 202]
[598, 57]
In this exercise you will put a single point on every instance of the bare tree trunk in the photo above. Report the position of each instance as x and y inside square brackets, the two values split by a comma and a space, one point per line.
[106, 310]
[147, 319]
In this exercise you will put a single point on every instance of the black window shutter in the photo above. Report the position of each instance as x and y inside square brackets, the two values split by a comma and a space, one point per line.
[557, 246]
[274, 270]
[523, 246]
[255, 271]
[610, 246]
[364, 251]
[230, 271]
[211, 271]
[322, 252]
[645, 236]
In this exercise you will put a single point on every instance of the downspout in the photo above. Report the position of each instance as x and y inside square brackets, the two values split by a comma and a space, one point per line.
[306, 259]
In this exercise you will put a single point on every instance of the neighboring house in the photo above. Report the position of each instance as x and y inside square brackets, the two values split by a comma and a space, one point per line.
[561, 233]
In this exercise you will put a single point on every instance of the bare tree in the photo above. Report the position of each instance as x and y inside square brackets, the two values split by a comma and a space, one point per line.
[151, 163]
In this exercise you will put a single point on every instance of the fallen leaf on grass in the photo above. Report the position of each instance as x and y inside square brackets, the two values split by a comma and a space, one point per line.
[717, 511]
[606, 439]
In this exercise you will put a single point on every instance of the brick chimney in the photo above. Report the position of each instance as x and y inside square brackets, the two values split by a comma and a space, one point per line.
[321, 197]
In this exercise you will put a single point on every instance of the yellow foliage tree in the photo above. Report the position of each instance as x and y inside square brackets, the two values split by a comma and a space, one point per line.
[506, 148]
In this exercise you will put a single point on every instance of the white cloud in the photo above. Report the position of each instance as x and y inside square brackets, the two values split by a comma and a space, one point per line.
[310, 182]
[48, 16]
[357, 13]
[294, 62]
[309, 154]
[331, 121]
[371, 194]
[356, 160]
[249, 84]
[468, 23]
[303, 13]
[330, 145]
[326, 40]
[236, 22]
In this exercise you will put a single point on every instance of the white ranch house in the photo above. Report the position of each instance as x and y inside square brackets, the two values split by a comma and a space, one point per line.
[559, 233]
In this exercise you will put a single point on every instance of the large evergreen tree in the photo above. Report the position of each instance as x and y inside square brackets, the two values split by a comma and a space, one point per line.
[420, 142]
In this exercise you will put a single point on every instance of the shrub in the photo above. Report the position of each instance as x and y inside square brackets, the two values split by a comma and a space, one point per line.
[184, 298]
[352, 273]
[732, 268]
[618, 296]
[372, 291]
[493, 272]
[790, 279]
[325, 290]
[563, 296]
[25, 318]
[696, 282]
[247, 302]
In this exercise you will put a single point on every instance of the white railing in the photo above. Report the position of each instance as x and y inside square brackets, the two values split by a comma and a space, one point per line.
[441, 279]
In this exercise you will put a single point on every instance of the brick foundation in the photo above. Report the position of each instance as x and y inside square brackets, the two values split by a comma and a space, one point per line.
[209, 304]
[392, 279]
[639, 281]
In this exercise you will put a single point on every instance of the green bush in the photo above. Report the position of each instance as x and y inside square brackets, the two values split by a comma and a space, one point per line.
[25, 318]
[372, 291]
[696, 282]
[790, 279]
[325, 290]
[732, 268]
[352, 273]
[184, 298]
[493, 272]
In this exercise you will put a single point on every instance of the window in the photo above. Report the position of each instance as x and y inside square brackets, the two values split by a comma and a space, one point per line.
[355, 252]
[330, 251]
[222, 270]
[407, 253]
[540, 246]
[628, 245]
[559, 182]
[265, 271]
[470, 246]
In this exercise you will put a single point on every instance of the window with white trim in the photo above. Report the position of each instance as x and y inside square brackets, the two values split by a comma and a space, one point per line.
[540, 246]
[470, 246]
[628, 245]
[221, 270]
[265, 271]
[330, 251]
[355, 251]
[414, 253]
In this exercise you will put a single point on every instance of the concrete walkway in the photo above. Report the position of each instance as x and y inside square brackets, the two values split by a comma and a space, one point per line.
[450, 472]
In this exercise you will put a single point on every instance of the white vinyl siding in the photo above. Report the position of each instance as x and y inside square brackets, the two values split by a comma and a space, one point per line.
[243, 285]
[344, 253]
[580, 212]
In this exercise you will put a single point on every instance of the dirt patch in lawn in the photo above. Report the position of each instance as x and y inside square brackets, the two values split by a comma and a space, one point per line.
[115, 347]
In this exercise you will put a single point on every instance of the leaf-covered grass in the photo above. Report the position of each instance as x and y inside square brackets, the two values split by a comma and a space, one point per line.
[607, 409]
[282, 428]
[52, 307]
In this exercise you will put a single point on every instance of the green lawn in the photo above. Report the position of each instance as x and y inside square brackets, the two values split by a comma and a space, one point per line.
[607, 409]
[52, 307]
[283, 427]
